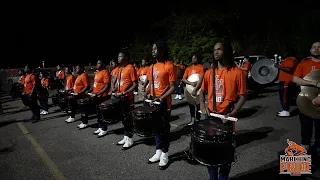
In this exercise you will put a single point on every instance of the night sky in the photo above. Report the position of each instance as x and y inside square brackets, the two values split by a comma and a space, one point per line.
[83, 33]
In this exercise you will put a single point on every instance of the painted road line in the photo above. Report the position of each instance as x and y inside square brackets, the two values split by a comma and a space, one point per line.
[43, 155]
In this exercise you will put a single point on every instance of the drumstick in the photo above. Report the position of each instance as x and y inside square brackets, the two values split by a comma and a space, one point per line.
[222, 116]
[149, 101]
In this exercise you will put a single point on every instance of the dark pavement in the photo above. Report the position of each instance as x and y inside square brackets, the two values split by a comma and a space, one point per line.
[78, 154]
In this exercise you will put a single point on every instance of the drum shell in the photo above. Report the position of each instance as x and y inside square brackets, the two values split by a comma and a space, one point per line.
[64, 104]
[211, 153]
[87, 106]
[147, 123]
[212, 147]
[111, 111]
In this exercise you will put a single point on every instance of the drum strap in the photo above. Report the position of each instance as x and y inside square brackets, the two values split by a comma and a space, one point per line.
[153, 92]
[214, 90]
[119, 79]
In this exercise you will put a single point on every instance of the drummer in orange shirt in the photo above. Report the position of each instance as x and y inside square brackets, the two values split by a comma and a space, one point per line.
[127, 82]
[195, 68]
[246, 66]
[25, 101]
[81, 86]
[230, 83]
[30, 88]
[114, 68]
[286, 68]
[303, 69]
[60, 76]
[100, 90]
[44, 93]
[164, 77]
[70, 79]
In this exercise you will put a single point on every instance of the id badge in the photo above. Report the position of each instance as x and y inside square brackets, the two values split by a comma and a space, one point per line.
[219, 99]
[94, 85]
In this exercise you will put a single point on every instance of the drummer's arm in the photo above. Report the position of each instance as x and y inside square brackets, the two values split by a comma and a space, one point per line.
[171, 90]
[132, 88]
[303, 82]
[199, 84]
[145, 84]
[105, 88]
[184, 80]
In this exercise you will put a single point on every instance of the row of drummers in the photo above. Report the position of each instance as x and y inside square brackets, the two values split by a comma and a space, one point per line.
[111, 99]
[149, 120]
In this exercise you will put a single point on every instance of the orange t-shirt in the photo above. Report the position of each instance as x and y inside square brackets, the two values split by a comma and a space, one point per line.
[29, 81]
[163, 74]
[70, 82]
[289, 62]
[45, 82]
[143, 71]
[229, 83]
[100, 80]
[127, 75]
[194, 69]
[305, 67]
[115, 71]
[82, 81]
[60, 74]
[246, 65]
[21, 80]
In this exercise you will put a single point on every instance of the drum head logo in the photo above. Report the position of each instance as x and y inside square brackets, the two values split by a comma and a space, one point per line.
[296, 161]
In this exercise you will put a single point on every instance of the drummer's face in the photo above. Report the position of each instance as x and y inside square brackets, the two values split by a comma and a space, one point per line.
[99, 64]
[121, 58]
[154, 51]
[315, 49]
[218, 51]
[194, 60]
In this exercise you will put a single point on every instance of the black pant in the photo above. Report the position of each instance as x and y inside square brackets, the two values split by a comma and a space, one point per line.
[33, 104]
[286, 95]
[73, 108]
[127, 116]
[194, 111]
[102, 124]
[162, 137]
[25, 100]
[306, 130]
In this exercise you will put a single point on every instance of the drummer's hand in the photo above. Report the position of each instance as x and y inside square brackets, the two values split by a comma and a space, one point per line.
[276, 65]
[232, 114]
[118, 94]
[316, 101]
[205, 111]
[194, 93]
[156, 100]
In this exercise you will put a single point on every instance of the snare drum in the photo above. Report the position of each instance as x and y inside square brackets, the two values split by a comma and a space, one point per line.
[212, 142]
[86, 106]
[111, 110]
[147, 121]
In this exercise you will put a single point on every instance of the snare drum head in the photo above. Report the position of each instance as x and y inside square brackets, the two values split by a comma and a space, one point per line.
[110, 101]
[144, 110]
[211, 127]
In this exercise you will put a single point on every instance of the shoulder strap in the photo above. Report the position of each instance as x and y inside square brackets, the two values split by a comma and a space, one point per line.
[119, 79]
[153, 92]
[214, 89]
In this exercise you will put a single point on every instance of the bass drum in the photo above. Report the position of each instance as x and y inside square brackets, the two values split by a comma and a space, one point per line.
[212, 142]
